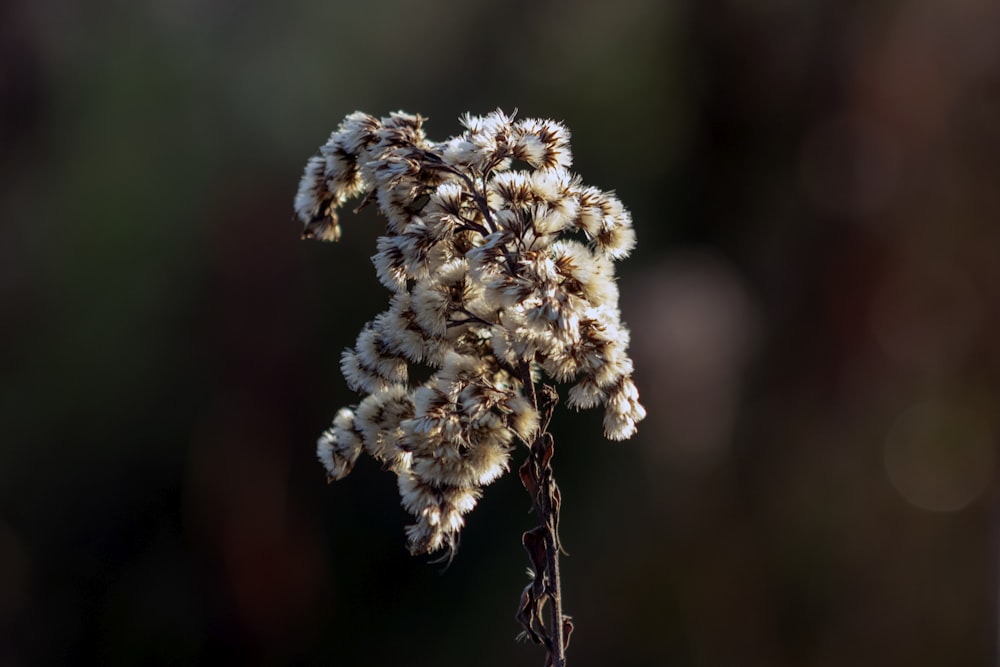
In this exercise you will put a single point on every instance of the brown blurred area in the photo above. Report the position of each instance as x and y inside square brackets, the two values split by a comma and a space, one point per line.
[814, 306]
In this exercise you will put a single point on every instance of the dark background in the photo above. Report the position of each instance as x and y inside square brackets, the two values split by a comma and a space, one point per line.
[813, 301]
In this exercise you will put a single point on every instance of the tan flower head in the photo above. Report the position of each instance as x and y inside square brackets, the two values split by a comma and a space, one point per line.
[499, 277]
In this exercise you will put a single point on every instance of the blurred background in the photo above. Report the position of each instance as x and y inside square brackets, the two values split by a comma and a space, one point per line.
[813, 301]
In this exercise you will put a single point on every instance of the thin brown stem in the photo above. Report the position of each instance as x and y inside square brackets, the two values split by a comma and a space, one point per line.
[542, 542]
[557, 650]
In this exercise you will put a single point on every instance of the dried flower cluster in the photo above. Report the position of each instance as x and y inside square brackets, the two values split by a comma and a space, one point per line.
[499, 276]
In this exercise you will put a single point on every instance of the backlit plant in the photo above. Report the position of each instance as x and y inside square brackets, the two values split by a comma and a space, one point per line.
[502, 284]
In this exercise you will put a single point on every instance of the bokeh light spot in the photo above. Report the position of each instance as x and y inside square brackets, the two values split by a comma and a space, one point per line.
[939, 455]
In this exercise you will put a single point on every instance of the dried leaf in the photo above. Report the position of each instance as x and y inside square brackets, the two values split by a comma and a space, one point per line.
[567, 630]
[524, 614]
[529, 479]
[529, 615]
[534, 543]
[547, 452]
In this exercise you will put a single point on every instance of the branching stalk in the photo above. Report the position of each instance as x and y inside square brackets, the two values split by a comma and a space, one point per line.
[520, 289]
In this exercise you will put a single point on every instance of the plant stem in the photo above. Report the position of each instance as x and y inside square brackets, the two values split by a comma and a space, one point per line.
[542, 542]
[550, 519]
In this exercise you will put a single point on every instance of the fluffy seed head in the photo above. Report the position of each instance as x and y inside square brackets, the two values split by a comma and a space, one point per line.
[499, 277]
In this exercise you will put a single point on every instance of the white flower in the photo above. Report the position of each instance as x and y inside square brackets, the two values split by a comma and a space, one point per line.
[489, 291]
[338, 448]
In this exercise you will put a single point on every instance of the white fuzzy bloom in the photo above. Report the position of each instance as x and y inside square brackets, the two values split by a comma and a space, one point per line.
[438, 511]
[523, 418]
[585, 394]
[314, 202]
[542, 143]
[441, 295]
[338, 448]
[623, 411]
[379, 420]
[500, 278]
